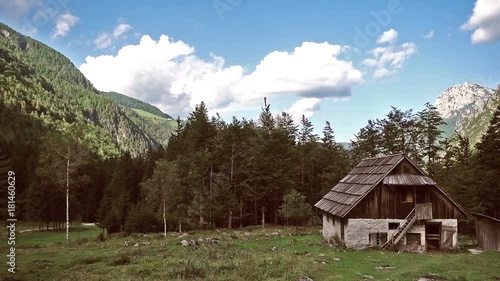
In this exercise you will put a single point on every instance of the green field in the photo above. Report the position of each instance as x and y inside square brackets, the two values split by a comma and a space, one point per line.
[148, 115]
[248, 254]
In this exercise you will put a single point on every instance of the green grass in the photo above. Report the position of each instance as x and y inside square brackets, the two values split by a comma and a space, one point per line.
[248, 254]
[148, 115]
[51, 237]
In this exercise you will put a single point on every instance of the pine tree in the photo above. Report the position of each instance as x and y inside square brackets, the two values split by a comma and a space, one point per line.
[429, 123]
[488, 156]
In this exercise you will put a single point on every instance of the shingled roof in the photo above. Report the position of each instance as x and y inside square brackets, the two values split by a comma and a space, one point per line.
[344, 196]
[355, 185]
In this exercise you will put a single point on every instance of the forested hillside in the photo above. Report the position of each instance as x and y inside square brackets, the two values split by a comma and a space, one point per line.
[135, 104]
[42, 83]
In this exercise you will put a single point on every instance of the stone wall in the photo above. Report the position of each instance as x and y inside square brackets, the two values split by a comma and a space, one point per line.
[332, 227]
[357, 232]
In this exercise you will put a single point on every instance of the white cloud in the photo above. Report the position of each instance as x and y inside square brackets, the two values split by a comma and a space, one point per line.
[485, 21]
[168, 74]
[389, 60]
[388, 36]
[305, 106]
[120, 29]
[64, 23]
[429, 35]
[107, 39]
[102, 41]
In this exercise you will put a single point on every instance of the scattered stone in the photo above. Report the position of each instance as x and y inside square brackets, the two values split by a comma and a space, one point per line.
[192, 243]
[385, 267]
[305, 278]
[323, 262]
[321, 255]
[183, 235]
[127, 243]
[184, 243]
[274, 248]
[136, 245]
[475, 251]
[275, 234]
[367, 277]
[336, 259]
[424, 279]
[146, 243]
[200, 240]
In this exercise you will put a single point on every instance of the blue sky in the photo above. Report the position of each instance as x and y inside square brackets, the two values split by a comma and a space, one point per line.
[341, 61]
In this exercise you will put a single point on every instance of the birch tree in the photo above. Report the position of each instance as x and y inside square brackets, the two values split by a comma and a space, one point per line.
[63, 152]
[160, 190]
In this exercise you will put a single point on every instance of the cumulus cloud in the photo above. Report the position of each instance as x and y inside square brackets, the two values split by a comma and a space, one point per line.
[168, 74]
[429, 35]
[107, 39]
[304, 106]
[388, 36]
[485, 21]
[64, 23]
[389, 60]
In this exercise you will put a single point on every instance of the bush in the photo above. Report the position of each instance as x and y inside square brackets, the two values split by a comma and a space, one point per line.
[141, 220]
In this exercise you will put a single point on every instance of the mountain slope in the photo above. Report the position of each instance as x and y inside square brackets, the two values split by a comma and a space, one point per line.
[467, 108]
[136, 105]
[39, 82]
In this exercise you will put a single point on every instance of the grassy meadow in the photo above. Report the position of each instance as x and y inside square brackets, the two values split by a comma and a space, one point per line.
[248, 254]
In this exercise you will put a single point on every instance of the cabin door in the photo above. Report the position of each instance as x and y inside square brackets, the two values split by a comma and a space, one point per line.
[447, 237]
[433, 235]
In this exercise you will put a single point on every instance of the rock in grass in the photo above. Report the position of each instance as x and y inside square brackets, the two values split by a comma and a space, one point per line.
[184, 243]
[305, 279]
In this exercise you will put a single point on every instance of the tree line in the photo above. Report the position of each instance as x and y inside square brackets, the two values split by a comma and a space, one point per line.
[217, 174]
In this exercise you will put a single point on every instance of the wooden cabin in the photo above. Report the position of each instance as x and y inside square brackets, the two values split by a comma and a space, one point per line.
[389, 202]
[487, 232]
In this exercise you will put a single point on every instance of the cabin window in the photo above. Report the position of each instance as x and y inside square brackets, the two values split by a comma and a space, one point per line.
[407, 196]
[413, 239]
[393, 225]
[330, 219]
[377, 239]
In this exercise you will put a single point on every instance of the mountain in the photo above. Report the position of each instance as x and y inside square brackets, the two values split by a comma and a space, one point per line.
[467, 109]
[40, 88]
[142, 108]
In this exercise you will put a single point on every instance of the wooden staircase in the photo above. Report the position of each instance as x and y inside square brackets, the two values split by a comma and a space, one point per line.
[401, 231]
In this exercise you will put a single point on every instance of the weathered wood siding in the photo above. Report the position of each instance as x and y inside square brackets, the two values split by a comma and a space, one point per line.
[488, 233]
[386, 202]
[442, 208]
[383, 202]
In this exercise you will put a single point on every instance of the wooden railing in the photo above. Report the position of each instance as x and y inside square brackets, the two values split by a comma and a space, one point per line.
[401, 231]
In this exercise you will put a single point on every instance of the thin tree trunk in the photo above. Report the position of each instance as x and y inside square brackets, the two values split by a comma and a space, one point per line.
[164, 220]
[210, 186]
[67, 196]
[241, 213]
[230, 224]
[180, 225]
[263, 216]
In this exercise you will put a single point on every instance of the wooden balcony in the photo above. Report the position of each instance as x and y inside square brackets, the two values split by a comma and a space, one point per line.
[423, 211]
